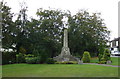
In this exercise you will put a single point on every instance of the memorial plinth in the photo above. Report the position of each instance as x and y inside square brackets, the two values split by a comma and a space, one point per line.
[65, 52]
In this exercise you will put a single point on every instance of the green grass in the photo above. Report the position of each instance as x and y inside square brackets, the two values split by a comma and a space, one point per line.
[94, 60]
[114, 60]
[58, 70]
[0, 71]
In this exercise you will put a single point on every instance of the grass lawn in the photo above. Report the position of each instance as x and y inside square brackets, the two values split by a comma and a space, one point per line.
[94, 60]
[58, 70]
[0, 71]
[114, 60]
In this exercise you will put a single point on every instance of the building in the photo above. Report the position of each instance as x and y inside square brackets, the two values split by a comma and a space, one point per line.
[115, 47]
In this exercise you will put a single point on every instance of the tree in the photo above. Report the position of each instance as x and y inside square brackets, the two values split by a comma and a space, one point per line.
[8, 33]
[44, 36]
[22, 30]
[87, 32]
[47, 31]
[7, 26]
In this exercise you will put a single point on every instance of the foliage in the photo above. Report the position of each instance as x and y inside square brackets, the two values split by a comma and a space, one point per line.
[31, 59]
[87, 30]
[50, 61]
[29, 55]
[8, 26]
[44, 36]
[67, 62]
[22, 50]
[100, 56]
[43, 58]
[8, 57]
[113, 59]
[102, 62]
[86, 57]
[20, 58]
[107, 55]
[35, 52]
[22, 30]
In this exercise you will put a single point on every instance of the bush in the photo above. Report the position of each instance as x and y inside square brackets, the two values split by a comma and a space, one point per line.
[86, 57]
[107, 55]
[102, 62]
[67, 62]
[102, 59]
[38, 58]
[29, 55]
[20, 58]
[35, 52]
[22, 50]
[43, 58]
[50, 61]
[100, 56]
[8, 57]
[31, 59]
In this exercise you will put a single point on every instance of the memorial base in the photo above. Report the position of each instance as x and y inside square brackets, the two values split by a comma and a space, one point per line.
[65, 56]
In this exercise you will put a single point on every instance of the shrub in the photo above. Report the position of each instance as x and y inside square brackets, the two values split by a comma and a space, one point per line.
[43, 58]
[100, 56]
[38, 58]
[86, 57]
[50, 61]
[20, 58]
[29, 55]
[102, 62]
[107, 55]
[8, 57]
[35, 52]
[22, 50]
[71, 62]
[102, 59]
[67, 62]
[31, 59]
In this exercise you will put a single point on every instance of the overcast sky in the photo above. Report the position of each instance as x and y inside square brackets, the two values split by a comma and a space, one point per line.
[107, 8]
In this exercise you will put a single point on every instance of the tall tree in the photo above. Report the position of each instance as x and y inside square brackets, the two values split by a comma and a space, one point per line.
[22, 29]
[7, 26]
[87, 32]
[48, 31]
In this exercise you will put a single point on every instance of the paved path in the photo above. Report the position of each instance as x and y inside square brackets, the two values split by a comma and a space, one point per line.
[102, 64]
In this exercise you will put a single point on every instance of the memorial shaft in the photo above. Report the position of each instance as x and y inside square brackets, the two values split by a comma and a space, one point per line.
[65, 41]
[65, 52]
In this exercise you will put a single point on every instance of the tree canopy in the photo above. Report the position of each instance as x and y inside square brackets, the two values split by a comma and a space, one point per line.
[44, 36]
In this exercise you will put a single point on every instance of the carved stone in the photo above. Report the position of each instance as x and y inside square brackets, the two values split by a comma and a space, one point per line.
[65, 52]
[109, 62]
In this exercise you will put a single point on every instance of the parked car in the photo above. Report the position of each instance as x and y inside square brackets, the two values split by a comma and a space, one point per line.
[115, 52]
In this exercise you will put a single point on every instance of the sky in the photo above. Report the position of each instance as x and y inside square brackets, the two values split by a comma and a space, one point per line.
[107, 8]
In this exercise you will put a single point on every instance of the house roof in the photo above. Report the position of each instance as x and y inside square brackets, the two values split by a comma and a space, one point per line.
[116, 39]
